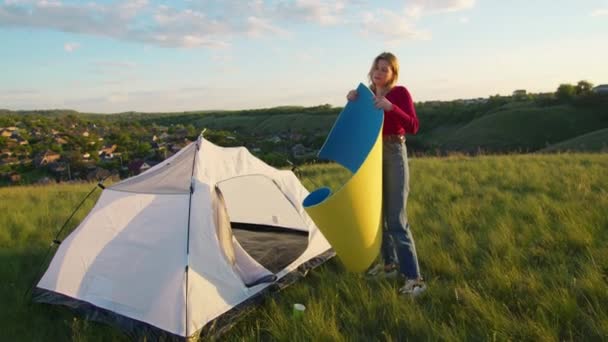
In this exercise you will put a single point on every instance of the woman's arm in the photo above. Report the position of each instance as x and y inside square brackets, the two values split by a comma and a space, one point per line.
[403, 108]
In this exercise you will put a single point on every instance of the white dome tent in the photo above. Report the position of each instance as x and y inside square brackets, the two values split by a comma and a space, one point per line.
[179, 249]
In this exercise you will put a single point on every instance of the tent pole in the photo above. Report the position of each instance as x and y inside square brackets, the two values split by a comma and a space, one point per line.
[188, 231]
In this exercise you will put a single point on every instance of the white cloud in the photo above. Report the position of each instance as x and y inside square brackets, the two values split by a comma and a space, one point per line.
[393, 27]
[398, 26]
[134, 5]
[417, 8]
[214, 23]
[135, 21]
[322, 12]
[210, 23]
[600, 12]
[49, 3]
[258, 27]
[70, 47]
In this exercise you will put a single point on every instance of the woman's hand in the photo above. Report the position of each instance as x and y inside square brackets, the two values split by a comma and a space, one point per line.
[352, 95]
[382, 103]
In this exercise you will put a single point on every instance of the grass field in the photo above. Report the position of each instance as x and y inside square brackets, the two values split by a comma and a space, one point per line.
[513, 248]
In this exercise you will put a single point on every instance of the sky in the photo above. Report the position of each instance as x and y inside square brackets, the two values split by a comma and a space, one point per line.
[167, 56]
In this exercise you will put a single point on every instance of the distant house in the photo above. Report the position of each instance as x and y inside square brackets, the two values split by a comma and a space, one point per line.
[475, 101]
[601, 89]
[14, 177]
[57, 167]
[107, 151]
[60, 140]
[107, 156]
[19, 140]
[138, 166]
[301, 151]
[519, 92]
[432, 103]
[47, 157]
[298, 150]
[9, 161]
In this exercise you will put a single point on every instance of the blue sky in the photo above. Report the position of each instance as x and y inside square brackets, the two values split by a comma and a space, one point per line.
[147, 55]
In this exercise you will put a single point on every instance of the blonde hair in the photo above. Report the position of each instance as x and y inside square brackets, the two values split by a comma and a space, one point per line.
[393, 63]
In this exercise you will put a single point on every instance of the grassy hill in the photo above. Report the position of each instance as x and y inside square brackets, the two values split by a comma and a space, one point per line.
[594, 141]
[270, 124]
[523, 129]
[513, 248]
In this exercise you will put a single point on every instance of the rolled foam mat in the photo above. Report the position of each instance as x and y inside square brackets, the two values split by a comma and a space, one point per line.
[351, 218]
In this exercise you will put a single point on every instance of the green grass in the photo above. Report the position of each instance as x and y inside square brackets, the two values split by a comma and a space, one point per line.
[513, 248]
[594, 141]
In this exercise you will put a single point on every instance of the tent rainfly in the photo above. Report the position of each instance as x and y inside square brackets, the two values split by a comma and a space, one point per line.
[182, 248]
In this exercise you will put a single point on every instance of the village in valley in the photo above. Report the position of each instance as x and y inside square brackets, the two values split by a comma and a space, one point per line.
[40, 149]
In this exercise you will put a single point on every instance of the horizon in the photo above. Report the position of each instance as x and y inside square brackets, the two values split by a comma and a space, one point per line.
[214, 110]
[110, 57]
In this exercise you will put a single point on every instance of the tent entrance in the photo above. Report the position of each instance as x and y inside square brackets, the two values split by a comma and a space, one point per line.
[274, 248]
[271, 230]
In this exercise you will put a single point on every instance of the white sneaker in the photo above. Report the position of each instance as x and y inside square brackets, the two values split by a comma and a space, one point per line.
[382, 271]
[413, 288]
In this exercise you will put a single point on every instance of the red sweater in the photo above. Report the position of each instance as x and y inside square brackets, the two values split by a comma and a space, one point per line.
[402, 119]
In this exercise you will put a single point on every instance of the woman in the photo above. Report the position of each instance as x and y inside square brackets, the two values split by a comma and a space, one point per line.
[398, 248]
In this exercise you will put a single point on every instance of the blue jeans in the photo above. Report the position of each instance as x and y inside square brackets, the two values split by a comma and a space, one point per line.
[397, 241]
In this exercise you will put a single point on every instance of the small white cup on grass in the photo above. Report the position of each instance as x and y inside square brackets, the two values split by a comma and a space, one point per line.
[298, 310]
